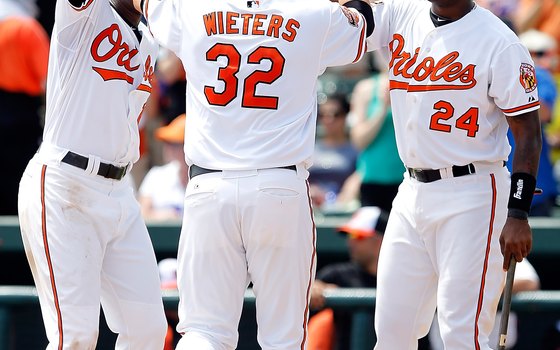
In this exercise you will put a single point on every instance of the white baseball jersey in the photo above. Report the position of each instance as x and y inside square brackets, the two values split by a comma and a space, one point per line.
[451, 86]
[268, 52]
[252, 69]
[429, 83]
[89, 78]
[83, 233]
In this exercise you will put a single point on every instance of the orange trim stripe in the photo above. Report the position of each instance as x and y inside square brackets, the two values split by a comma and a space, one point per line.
[485, 267]
[144, 87]
[306, 313]
[145, 10]
[49, 261]
[402, 85]
[110, 74]
[361, 44]
[520, 108]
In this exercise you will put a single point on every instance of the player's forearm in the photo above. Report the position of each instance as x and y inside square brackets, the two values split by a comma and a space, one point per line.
[526, 130]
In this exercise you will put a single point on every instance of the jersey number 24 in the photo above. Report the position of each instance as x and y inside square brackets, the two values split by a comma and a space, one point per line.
[468, 121]
[228, 75]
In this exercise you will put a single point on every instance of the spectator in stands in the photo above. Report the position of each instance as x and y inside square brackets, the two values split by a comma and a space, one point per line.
[172, 85]
[504, 9]
[542, 15]
[24, 50]
[542, 48]
[364, 234]
[166, 101]
[161, 193]
[335, 157]
[373, 134]
[525, 279]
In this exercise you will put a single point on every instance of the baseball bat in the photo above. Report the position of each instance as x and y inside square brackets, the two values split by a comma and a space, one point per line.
[506, 305]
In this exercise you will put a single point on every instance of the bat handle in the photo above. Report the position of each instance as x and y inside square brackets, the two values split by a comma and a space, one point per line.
[506, 305]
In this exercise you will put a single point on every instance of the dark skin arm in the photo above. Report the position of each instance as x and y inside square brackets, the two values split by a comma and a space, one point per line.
[126, 9]
[516, 237]
[137, 5]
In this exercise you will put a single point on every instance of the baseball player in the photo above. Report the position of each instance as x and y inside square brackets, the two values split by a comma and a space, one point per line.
[84, 237]
[455, 210]
[252, 69]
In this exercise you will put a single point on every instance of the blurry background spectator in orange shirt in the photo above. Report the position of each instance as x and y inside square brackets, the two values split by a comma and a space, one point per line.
[162, 191]
[542, 15]
[24, 50]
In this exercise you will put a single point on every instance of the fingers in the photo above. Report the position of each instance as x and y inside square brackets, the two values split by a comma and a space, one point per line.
[507, 259]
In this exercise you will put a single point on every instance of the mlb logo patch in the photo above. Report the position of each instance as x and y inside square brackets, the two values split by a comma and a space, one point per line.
[527, 77]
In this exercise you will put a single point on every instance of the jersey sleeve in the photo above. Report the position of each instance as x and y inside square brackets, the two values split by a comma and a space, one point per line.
[164, 22]
[382, 18]
[513, 81]
[80, 5]
[345, 37]
[75, 20]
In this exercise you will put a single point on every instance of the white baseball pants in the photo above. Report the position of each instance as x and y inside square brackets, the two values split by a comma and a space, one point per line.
[441, 248]
[240, 227]
[87, 245]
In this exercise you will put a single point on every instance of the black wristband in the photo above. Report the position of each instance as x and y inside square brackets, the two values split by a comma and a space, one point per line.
[518, 214]
[365, 9]
[521, 191]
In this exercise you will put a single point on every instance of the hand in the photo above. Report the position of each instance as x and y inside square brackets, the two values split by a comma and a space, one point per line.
[516, 240]
[317, 298]
[317, 195]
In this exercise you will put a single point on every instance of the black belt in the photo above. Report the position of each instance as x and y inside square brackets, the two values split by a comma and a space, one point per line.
[430, 175]
[195, 170]
[108, 171]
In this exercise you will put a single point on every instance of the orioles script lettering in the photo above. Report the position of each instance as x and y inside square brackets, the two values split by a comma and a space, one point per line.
[107, 45]
[447, 70]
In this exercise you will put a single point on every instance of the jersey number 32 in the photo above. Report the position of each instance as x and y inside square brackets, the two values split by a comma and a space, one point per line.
[228, 75]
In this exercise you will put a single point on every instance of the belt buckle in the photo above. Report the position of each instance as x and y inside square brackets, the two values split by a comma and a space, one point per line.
[111, 171]
[417, 174]
[120, 172]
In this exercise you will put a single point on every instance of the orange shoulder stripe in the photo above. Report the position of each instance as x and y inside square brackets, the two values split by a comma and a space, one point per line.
[520, 108]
